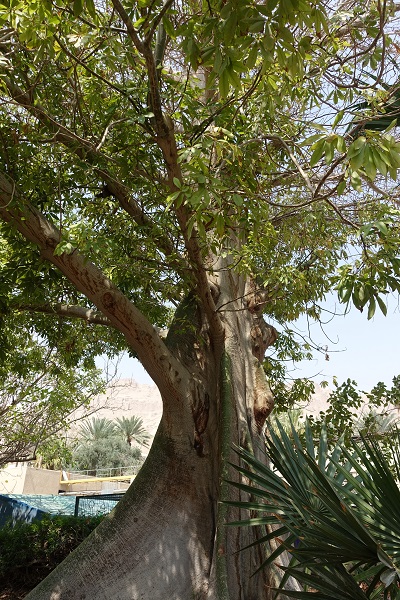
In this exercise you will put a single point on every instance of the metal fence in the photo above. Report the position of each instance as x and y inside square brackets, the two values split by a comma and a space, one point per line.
[93, 505]
[110, 472]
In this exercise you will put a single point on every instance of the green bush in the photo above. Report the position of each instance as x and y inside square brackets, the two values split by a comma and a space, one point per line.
[29, 551]
[111, 452]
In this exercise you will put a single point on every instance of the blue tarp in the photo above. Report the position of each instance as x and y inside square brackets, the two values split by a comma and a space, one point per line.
[21, 507]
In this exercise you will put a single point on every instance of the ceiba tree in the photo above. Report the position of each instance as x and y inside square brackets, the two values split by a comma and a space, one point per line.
[170, 174]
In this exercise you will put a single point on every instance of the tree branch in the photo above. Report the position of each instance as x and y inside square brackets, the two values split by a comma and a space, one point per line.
[164, 129]
[140, 335]
[158, 19]
[129, 26]
[67, 311]
[88, 153]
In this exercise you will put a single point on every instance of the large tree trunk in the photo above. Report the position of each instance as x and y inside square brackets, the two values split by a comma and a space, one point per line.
[167, 539]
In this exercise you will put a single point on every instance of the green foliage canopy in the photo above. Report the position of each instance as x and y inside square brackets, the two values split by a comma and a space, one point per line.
[38, 393]
[103, 444]
[155, 138]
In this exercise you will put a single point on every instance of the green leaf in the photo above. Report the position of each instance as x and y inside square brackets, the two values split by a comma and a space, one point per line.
[318, 152]
[369, 166]
[382, 227]
[207, 54]
[234, 77]
[345, 293]
[355, 181]
[356, 146]
[357, 160]
[220, 224]
[229, 27]
[382, 305]
[379, 163]
[223, 84]
[391, 126]
[329, 151]
[91, 8]
[77, 7]
[252, 57]
[371, 308]
[317, 126]
[169, 28]
[341, 188]
[341, 144]
[256, 25]
[311, 139]
[338, 118]
[177, 182]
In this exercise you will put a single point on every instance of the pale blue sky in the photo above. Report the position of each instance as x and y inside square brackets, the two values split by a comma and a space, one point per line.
[366, 351]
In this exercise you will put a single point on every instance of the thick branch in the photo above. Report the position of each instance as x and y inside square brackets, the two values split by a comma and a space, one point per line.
[140, 335]
[68, 311]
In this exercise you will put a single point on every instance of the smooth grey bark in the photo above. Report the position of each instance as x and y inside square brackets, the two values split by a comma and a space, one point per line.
[168, 540]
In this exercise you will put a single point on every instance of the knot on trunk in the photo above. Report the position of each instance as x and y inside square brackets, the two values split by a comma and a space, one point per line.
[263, 399]
[200, 412]
[262, 336]
[108, 301]
[215, 291]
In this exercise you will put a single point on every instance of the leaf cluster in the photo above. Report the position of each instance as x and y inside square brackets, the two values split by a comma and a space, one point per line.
[335, 511]
[30, 551]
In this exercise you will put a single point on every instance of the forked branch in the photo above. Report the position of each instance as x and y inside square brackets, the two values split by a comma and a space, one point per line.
[140, 335]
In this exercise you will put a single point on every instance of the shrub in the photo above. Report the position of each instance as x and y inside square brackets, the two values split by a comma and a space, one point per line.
[336, 511]
[30, 551]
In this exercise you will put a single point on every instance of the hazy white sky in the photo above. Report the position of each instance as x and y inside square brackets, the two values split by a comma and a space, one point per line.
[366, 351]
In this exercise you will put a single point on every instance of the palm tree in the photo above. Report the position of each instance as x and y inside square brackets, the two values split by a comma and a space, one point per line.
[96, 429]
[100, 445]
[133, 431]
[337, 513]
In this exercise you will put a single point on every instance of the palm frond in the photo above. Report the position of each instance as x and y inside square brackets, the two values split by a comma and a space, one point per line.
[336, 511]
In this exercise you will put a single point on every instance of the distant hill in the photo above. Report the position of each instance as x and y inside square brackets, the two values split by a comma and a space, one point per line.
[127, 397]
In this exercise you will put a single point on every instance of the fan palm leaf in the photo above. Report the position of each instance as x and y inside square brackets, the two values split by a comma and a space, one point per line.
[337, 512]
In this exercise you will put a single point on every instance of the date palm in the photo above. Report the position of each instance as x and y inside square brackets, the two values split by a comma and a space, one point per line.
[96, 429]
[133, 431]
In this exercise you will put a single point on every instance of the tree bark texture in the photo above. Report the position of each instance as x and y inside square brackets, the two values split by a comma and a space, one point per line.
[167, 538]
